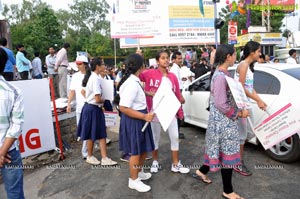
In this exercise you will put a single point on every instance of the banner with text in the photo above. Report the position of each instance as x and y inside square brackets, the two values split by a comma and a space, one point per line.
[279, 125]
[173, 22]
[38, 132]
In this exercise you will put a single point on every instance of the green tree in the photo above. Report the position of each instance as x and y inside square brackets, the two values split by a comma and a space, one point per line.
[33, 24]
[90, 14]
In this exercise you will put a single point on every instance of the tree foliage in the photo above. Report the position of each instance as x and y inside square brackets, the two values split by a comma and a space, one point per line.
[34, 25]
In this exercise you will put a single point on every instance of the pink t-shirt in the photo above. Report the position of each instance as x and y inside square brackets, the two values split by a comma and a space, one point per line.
[152, 79]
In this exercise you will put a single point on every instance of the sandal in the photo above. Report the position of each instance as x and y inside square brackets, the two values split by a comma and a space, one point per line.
[202, 177]
[234, 196]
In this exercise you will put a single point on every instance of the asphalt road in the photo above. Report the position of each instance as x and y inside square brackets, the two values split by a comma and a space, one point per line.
[73, 178]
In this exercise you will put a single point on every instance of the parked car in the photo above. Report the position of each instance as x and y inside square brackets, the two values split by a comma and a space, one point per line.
[271, 81]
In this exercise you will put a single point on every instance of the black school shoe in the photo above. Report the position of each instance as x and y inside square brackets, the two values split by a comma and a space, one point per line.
[181, 136]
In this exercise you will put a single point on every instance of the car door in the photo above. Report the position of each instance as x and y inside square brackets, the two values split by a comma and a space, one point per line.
[197, 99]
[268, 87]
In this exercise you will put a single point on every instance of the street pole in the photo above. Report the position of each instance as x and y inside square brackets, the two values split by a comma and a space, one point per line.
[115, 51]
[138, 44]
[216, 30]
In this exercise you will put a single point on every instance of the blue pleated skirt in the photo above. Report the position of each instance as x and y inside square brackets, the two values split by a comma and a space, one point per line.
[131, 138]
[91, 124]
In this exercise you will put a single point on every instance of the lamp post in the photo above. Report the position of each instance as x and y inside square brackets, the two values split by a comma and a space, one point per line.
[216, 30]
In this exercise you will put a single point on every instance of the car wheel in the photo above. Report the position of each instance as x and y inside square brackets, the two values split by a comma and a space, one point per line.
[286, 151]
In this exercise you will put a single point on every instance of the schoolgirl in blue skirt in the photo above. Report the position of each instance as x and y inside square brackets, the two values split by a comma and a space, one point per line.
[91, 126]
[134, 116]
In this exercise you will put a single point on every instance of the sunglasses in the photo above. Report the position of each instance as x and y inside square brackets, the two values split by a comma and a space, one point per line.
[79, 62]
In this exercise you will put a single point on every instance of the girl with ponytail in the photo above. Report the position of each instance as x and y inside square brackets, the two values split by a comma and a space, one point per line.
[152, 79]
[134, 115]
[244, 74]
[91, 126]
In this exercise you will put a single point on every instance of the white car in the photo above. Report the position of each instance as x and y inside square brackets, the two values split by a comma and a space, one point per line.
[271, 82]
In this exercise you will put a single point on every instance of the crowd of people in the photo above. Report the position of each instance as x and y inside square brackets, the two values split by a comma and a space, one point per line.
[136, 85]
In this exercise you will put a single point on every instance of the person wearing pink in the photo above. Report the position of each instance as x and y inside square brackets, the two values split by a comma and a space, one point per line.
[61, 65]
[152, 79]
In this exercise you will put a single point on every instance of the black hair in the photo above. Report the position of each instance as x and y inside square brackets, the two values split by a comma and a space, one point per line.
[250, 47]
[262, 56]
[292, 51]
[3, 41]
[161, 52]
[36, 54]
[221, 54]
[3, 59]
[88, 71]
[19, 46]
[133, 63]
[174, 55]
[67, 45]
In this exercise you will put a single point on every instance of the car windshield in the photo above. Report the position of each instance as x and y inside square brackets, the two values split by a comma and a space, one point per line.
[294, 72]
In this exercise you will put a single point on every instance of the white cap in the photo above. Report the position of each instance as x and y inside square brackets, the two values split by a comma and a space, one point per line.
[82, 58]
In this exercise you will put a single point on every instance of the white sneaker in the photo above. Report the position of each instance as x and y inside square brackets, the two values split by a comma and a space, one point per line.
[107, 162]
[108, 141]
[144, 176]
[179, 168]
[92, 160]
[138, 185]
[96, 146]
[154, 167]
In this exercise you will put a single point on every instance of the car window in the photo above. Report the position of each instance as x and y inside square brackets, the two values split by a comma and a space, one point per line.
[294, 72]
[265, 83]
[202, 84]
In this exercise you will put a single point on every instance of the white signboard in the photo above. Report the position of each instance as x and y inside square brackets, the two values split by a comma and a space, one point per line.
[180, 22]
[38, 132]
[110, 118]
[107, 87]
[281, 124]
[166, 104]
[135, 25]
[153, 62]
[238, 93]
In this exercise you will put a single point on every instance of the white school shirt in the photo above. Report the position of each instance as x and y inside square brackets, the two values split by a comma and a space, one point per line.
[93, 87]
[176, 70]
[291, 60]
[76, 85]
[132, 94]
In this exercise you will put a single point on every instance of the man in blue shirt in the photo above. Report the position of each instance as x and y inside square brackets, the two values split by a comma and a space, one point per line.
[9, 69]
[22, 62]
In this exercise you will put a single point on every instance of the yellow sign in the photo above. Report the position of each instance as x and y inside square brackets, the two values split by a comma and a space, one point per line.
[262, 38]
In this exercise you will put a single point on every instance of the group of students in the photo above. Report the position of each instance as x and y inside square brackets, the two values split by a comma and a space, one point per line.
[227, 127]
[226, 132]
[86, 86]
